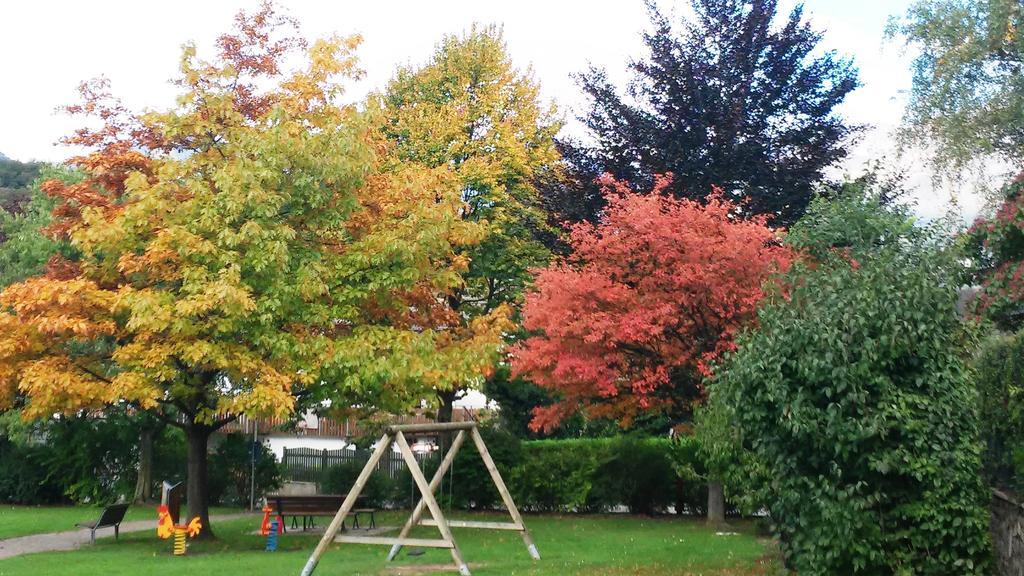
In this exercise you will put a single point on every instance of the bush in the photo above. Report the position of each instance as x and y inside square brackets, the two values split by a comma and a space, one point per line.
[230, 471]
[854, 393]
[556, 475]
[94, 459]
[339, 479]
[471, 483]
[635, 473]
[467, 484]
[999, 377]
[601, 474]
[22, 479]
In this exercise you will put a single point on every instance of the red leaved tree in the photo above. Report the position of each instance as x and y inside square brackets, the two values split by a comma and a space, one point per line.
[630, 321]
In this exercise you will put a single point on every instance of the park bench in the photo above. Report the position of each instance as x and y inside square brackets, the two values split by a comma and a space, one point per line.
[112, 516]
[308, 507]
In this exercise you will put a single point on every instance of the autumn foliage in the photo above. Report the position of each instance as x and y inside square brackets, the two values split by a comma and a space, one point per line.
[998, 243]
[247, 250]
[651, 295]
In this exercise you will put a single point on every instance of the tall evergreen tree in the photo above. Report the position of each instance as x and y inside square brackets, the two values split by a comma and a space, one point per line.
[728, 100]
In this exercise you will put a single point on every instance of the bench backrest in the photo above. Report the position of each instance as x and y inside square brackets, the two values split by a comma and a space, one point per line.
[171, 497]
[323, 503]
[113, 514]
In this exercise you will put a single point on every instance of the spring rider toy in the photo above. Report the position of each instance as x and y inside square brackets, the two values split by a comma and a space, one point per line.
[165, 528]
[271, 528]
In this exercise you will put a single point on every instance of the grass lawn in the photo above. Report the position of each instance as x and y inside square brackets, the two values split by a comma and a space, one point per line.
[25, 520]
[592, 545]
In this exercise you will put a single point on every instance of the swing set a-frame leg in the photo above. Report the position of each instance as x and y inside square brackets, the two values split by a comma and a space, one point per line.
[332, 529]
[506, 497]
[428, 497]
[417, 512]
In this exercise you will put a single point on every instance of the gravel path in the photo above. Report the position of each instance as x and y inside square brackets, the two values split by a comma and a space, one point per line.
[75, 538]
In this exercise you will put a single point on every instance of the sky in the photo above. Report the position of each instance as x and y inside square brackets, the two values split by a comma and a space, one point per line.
[49, 47]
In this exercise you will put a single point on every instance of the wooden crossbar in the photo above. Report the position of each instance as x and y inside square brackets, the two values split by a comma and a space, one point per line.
[476, 524]
[422, 542]
[434, 427]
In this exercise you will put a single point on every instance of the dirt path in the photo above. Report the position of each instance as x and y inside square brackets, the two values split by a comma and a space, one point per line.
[74, 538]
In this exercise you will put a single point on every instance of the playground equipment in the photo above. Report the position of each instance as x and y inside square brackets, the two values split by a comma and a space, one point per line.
[166, 528]
[272, 536]
[266, 525]
[394, 435]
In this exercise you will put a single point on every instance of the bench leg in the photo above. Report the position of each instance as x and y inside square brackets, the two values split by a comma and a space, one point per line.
[355, 521]
[373, 521]
[92, 536]
[117, 531]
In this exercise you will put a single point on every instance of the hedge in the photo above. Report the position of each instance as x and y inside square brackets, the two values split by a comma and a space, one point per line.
[574, 475]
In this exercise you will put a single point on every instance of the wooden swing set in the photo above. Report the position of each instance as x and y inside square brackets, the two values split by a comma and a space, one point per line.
[394, 435]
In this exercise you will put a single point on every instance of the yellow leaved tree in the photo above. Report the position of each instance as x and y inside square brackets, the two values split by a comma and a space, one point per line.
[252, 249]
[471, 111]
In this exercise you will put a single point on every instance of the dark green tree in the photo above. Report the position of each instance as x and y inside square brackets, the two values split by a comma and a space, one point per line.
[729, 99]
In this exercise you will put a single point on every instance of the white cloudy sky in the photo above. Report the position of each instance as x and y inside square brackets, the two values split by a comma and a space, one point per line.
[48, 47]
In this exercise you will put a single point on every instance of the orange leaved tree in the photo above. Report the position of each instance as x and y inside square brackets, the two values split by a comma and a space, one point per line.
[630, 321]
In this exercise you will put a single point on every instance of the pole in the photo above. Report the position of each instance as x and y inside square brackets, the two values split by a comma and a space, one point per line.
[252, 477]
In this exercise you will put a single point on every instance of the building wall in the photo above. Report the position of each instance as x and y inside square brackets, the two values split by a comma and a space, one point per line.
[279, 443]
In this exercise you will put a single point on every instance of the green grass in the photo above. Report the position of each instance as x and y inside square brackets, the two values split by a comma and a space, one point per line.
[25, 520]
[592, 545]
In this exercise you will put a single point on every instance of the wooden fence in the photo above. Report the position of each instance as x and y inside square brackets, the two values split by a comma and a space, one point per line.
[308, 464]
[1007, 526]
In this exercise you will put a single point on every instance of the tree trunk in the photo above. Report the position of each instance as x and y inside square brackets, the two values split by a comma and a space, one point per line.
[716, 504]
[444, 414]
[144, 481]
[197, 482]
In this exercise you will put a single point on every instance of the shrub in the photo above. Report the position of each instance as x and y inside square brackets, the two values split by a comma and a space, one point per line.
[854, 393]
[555, 475]
[601, 474]
[999, 377]
[95, 460]
[471, 484]
[230, 472]
[635, 473]
[22, 479]
[377, 493]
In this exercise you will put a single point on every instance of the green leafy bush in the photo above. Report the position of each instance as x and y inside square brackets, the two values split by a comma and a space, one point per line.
[22, 479]
[636, 473]
[471, 484]
[855, 395]
[556, 475]
[231, 470]
[999, 376]
[339, 479]
[601, 474]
